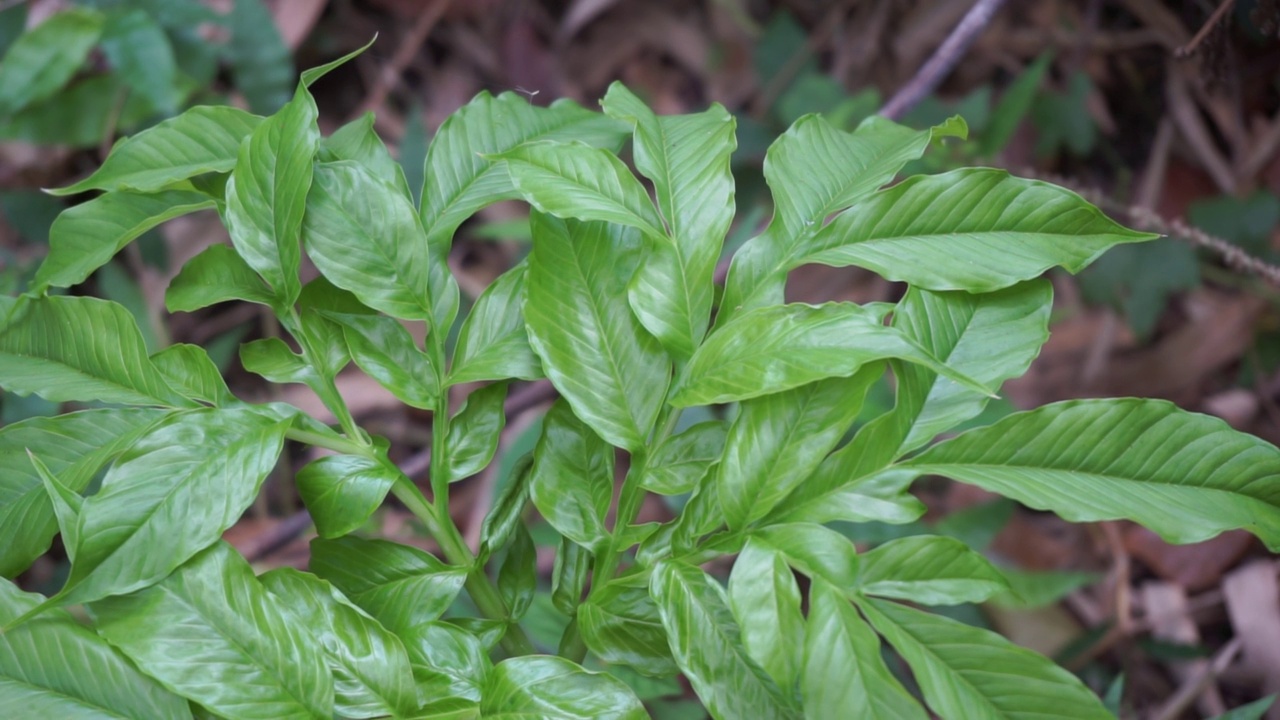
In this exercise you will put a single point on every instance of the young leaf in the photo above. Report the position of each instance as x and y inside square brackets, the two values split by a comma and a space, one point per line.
[766, 602]
[342, 491]
[138, 49]
[518, 576]
[55, 667]
[929, 570]
[569, 576]
[201, 140]
[447, 661]
[475, 430]
[968, 672]
[983, 230]
[557, 689]
[687, 158]
[399, 585]
[74, 447]
[831, 493]
[596, 353]
[571, 481]
[1186, 476]
[621, 626]
[371, 672]
[83, 238]
[242, 654]
[81, 349]
[358, 141]
[680, 462]
[385, 350]
[814, 550]
[43, 59]
[217, 274]
[507, 511]
[707, 646]
[778, 440]
[844, 673]
[272, 359]
[493, 343]
[190, 371]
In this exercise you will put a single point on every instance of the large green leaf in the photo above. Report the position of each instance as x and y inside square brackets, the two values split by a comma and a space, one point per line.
[778, 440]
[844, 673]
[55, 667]
[217, 274]
[267, 194]
[475, 431]
[399, 585]
[74, 447]
[929, 570]
[365, 237]
[371, 673]
[342, 491]
[447, 661]
[814, 550]
[766, 602]
[687, 158]
[620, 624]
[136, 46]
[612, 371]
[552, 688]
[834, 493]
[461, 179]
[814, 170]
[974, 229]
[385, 350]
[677, 465]
[169, 496]
[192, 372]
[79, 349]
[201, 140]
[785, 346]
[83, 238]
[571, 481]
[967, 672]
[43, 59]
[707, 645]
[1186, 476]
[358, 141]
[212, 633]
[493, 343]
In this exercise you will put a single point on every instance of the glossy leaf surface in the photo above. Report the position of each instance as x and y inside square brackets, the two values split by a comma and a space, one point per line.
[929, 570]
[191, 371]
[385, 350]
[493, 343]
[343, 491]
[475, 431]
[447, 661]
[551, 687]
[766, 602]
[218, 274]
[621, 625]
[814, 550]
[681, 461]
[571, 481]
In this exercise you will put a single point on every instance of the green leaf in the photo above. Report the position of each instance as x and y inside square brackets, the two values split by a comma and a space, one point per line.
[343, 491]
[358, 141]
[964, 671]
[493, 343]
[399, 585]
[814, 550]
[218, 274]
[201, 140]
[242, 655]
[138, 49]
[975, 229]
[554, 688]
[43, 59]
[832, 493]
[191, 372]
[687, 158]
[683, 459]
[929, 570]
[78, 349]
[461, 179]
[55, 667]
[785, 346]
[272, 359]
[259, 58]
[766, 602]
[371, 672]
[86, 236]
[1186, 476]
[518, 575]
[571, 481]
[1013, 107]
[169, 496]
[707, 646]
[365, 237]
[620, 624]
[386, 352]
[474, 432]
[79, 116]
[75, 447]
[844, 673]
[267, 193]
[507, 511]
[778, 440]
[447, 661]
[596, 353]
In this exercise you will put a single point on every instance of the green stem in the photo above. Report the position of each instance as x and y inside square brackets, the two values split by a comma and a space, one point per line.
[330, 442]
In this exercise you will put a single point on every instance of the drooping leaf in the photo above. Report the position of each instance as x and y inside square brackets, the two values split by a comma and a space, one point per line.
[571, 481]
[259, 58]
[1186, 476]
[217, 274]
[687, 158]
[448, 662]
[596, 353]
[707, 645]
[475, 431]
[569, 576]
[190, 371]
[201, 140]
[974, 229]
[138, 49]
[81, 349]
[342, 491]
[814, 550]
[54, 666]
[241, 655]
[964, 671]
[358, 141]
[385, 350]
[371, 672]
[766, 602]
[681, 461]
[399, 585]
[493, 343]
[507, 511]
[42, 60]
[554, 688]
[621, 626]
[929, 570]
[844, 674]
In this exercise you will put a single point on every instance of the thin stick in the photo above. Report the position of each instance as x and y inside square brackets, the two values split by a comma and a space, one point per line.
[1190, 48]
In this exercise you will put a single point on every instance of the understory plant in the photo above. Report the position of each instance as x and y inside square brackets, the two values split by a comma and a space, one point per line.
[617, 307]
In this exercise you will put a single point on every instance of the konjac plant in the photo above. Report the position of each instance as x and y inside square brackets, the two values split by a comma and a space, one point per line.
[617, 307]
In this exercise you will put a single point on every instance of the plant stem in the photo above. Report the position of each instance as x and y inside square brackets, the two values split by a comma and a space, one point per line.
[330, 442]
